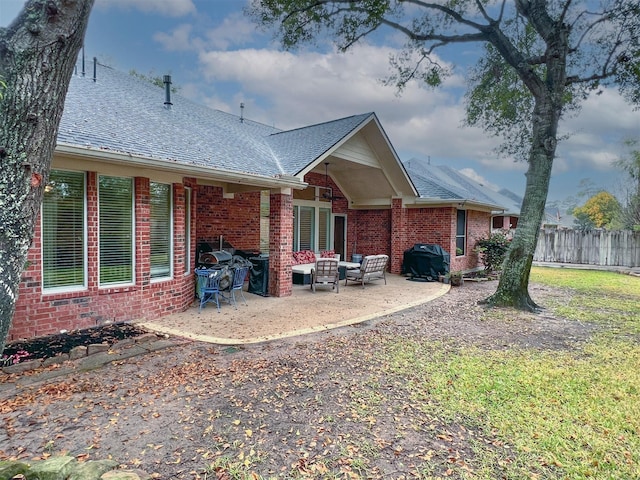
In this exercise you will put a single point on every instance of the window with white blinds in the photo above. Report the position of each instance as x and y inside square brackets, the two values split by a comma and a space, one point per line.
[161, 231]
[63, 231]
[324, 228]
[116, 223]
[304, 223]
[187, 230]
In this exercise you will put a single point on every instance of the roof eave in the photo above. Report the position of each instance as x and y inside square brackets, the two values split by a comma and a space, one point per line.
[206, 173]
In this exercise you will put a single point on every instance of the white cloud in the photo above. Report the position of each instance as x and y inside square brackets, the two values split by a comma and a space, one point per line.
[169, 8]
[236, 29]
[178, 40]
[478, 178]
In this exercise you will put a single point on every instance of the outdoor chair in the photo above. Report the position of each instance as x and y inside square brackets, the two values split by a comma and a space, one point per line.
[238, 283]
[325, 272]
[371, 268]
[210, 290]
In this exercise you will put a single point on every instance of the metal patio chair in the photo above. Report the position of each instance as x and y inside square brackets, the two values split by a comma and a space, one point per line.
[239, 277]
[210, 289]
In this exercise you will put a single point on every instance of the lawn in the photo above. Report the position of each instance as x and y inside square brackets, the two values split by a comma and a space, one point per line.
[444, 390]
[563, 414]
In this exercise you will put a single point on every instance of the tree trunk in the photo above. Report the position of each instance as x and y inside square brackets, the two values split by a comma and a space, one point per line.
[38, 52]
[512, 288]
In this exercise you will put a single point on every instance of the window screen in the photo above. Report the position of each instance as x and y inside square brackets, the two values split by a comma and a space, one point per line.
[115, 203]
[161, 222]
[63, 231]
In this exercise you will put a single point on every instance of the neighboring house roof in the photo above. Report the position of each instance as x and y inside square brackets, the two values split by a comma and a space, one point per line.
[446, 183]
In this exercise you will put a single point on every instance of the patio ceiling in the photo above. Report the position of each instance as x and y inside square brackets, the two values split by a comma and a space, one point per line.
[366, 169]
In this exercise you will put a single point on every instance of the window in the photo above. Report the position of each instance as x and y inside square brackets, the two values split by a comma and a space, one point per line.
[63, 231]
[265, 209]
[115, 203]
[187, 230]
[161, 232]
[324, 227]
[461, 232]
[304, 223]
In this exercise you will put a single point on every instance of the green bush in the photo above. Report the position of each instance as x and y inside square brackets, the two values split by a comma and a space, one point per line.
[492, 251]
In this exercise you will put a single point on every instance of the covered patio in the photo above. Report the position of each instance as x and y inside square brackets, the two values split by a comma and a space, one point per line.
[269, 318]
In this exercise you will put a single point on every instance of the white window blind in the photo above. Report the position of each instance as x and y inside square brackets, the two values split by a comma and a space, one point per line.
[324, 228]
[305, 228]
[63, 231]
[187, 230]
[161, 222]
[115, 203]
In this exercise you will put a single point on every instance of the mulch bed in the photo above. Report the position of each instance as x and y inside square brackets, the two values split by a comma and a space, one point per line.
[52, 345]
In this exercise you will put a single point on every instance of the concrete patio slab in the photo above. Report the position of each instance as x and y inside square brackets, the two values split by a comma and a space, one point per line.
[269, 318]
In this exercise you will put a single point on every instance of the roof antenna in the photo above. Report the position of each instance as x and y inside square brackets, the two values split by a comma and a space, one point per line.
[167, 92]
[241, 112]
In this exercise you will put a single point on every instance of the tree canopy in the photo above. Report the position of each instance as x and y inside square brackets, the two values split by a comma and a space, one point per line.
[541, 59]
[600, 210]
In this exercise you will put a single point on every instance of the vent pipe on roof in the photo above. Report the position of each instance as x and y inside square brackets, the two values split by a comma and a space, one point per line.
[241, 112]
[95, 68]
[167, 92]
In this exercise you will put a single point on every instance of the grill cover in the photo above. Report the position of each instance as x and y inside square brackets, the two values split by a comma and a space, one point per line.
[426, 261]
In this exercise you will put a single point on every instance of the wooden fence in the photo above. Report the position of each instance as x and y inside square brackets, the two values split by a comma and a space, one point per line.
[619, 248]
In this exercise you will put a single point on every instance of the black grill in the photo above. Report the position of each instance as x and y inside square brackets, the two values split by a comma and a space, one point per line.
[424, 261]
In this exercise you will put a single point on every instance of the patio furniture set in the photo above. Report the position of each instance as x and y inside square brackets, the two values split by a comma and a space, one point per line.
[326, 271]
[223, 281]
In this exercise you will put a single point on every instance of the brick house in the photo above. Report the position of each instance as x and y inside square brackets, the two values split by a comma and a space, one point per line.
[139, 178]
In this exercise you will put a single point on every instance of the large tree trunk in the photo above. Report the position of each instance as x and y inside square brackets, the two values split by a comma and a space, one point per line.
[513, 286]
[38, 53]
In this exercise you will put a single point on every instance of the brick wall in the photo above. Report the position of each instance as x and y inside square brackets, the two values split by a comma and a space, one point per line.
[237, 219]
[42, 314]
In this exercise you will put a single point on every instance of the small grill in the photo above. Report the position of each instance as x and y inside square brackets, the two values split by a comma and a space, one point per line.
[211, 259]
[424, 261]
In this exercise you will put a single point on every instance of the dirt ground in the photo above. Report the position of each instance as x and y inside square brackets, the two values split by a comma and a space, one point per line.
[309, 406]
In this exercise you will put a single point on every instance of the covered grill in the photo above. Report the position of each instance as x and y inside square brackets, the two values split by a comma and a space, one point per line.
[425, 261]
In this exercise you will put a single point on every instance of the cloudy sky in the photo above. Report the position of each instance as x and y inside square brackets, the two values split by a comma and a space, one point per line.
[216, 56]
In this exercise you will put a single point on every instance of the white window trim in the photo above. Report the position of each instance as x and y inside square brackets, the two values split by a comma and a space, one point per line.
[105, 286]
[85, 248]
[187, 230]
[317, 206]
[172, 229]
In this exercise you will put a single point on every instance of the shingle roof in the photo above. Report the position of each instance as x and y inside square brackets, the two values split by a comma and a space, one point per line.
[443, 182]
[124, 114]
[299, 147]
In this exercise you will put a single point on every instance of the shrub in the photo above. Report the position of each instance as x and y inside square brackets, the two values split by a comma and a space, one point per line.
[492, 251]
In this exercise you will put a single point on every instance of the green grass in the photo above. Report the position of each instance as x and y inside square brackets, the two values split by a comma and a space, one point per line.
[605, 298]
[571, 414]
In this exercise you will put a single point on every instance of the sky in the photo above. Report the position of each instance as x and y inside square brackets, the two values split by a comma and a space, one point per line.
[218, 57]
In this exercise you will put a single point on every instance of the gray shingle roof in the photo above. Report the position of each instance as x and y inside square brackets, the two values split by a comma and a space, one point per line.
[299, 147]
[124, 114]
[443, 182]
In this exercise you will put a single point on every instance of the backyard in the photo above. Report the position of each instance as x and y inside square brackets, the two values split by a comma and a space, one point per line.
[442, 390]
